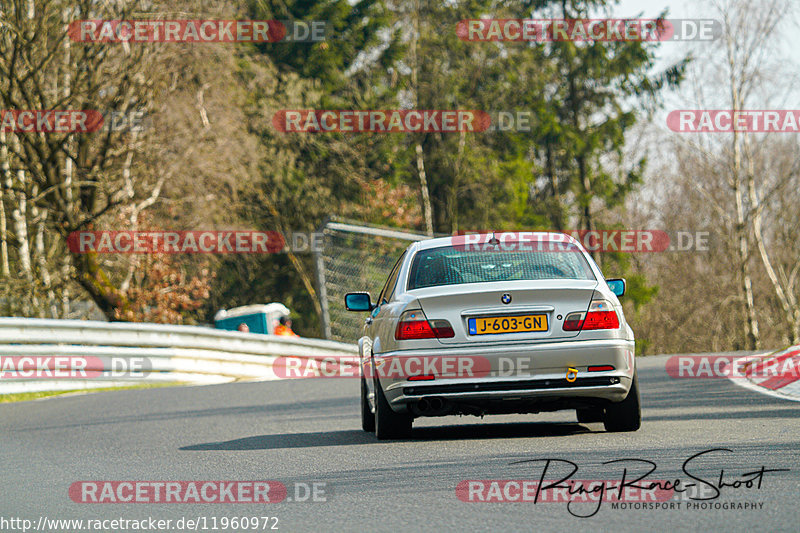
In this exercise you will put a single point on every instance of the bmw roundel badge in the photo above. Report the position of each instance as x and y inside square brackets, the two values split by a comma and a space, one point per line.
[506, 298]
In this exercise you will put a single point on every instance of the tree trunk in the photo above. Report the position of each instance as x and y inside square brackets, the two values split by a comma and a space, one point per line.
[427, 210]
[786, 297]
[556, 211]
[740, 230]
[91, 277]
[5, 181]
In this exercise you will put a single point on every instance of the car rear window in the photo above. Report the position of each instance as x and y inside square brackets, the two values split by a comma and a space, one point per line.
[451, 265]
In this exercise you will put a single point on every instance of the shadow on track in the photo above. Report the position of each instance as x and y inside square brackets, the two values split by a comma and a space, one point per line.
[350, 437]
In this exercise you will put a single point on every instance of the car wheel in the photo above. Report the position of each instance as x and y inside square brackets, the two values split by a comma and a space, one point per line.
[589, 415]
[627, 414]
[367, 416]
[389, 424]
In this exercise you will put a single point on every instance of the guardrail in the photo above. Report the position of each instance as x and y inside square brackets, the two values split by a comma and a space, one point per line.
[160, 353]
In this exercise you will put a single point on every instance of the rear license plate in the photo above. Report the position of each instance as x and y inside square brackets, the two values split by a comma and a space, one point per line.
[507, 324]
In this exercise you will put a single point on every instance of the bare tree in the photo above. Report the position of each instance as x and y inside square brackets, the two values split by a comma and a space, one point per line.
[59, 182]
[741, 62]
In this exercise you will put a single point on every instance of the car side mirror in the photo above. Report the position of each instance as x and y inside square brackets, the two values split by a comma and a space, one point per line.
[358, 301]
[617, 286]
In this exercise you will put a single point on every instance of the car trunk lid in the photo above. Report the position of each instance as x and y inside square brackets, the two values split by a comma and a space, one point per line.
[476, 311]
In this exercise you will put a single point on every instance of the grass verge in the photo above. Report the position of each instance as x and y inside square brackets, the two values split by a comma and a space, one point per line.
[26, 396]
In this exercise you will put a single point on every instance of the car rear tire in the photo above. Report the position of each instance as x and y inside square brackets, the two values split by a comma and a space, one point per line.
[389, 424]
[367, 416]
[590, 415]
[627, 414]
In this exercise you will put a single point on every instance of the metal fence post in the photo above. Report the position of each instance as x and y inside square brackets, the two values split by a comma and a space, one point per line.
[319, 263]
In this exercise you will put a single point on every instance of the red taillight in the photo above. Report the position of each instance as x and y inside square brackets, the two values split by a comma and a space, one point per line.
[414, 329]
[600, 368]
[422, 377]
[599, 316]
[414, 325]
[601, 320]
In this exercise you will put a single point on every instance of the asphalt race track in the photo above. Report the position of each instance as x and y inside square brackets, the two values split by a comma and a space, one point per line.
[308, 431]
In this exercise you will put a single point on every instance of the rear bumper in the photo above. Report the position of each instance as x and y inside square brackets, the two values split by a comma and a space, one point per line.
[523, 378]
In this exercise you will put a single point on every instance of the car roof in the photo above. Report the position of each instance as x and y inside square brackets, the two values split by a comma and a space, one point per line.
[546, 236]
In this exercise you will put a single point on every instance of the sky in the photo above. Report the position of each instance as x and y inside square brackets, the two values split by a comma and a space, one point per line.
[780, 88]
[790, 28]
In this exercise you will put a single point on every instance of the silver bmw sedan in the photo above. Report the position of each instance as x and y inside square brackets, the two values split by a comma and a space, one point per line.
[496, 323]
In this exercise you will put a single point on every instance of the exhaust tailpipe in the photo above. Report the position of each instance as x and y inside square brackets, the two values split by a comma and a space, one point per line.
[431, 406]
[423, 405]
[436, 404]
